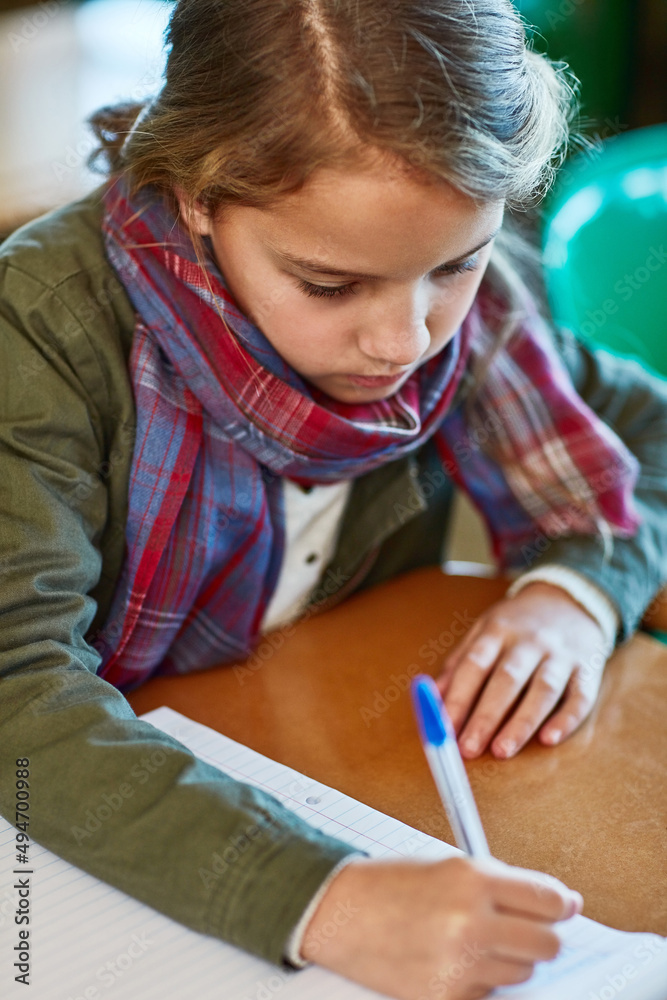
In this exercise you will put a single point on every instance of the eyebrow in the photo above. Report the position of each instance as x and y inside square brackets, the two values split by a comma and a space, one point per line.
[318, 268]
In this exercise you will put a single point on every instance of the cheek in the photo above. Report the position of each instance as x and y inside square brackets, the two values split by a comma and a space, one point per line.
[303, 333]
[452, 303]
[266, 304]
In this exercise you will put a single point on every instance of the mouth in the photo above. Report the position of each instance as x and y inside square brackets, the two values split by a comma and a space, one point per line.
[375, 381]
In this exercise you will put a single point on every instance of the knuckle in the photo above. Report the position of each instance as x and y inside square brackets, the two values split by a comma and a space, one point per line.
[523, 725]
[513, 670]
[478, 656]
[466, 873]
[488, 640]
[544, 888]
[549, 684]
[503, 623]
[456, 706]
[581, 702]
[459, 866]
[485, 721]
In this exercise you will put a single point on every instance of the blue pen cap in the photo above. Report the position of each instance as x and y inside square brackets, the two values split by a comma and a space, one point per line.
[433, 722]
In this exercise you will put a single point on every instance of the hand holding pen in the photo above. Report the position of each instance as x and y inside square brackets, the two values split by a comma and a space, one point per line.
[455, 928]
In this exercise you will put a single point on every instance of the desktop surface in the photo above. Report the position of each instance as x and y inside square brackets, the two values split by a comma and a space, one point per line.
[329, 697]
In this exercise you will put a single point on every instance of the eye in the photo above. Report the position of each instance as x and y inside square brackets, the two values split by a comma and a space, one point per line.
[324, 291]
[467, 265]
[329, 292]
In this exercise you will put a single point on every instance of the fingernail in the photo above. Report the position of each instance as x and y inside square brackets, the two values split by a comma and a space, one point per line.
[578, 901]
[553, 736]
[471, 745]
[508, 748]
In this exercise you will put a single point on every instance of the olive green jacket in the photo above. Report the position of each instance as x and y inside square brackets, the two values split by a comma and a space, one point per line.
[66, 435]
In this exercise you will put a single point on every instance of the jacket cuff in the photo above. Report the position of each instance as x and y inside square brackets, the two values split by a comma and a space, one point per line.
[292, 953]
[581, 589]
[266, 894]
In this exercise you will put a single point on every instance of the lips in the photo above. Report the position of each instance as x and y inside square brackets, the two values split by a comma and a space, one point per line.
[375, 381]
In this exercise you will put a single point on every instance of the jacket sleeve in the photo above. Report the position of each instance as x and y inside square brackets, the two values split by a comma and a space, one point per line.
[633, 402]
[110, 793]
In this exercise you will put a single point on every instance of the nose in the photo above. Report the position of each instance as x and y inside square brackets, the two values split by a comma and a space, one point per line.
[395, 332]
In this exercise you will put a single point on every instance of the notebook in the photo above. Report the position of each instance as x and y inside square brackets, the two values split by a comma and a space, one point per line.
[90, 941]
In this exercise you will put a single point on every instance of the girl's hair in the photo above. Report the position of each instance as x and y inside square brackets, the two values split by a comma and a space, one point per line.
[261, 93]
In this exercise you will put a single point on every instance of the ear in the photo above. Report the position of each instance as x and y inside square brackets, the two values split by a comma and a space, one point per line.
[195, 216]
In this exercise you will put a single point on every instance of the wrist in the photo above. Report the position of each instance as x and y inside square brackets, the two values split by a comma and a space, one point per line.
[581, 591]
[554, 592]
[294, 953]
[324, 939]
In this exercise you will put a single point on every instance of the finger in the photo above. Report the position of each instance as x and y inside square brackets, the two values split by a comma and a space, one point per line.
[521, 892]
[470, 676]
[580, 696]
[509, 677]
[517, 939]
[497, 972]
[452, 662]
[543, 694]
[444, 678]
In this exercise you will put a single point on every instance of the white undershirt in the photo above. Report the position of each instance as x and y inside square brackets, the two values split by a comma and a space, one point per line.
[312, 525]
[313, 520]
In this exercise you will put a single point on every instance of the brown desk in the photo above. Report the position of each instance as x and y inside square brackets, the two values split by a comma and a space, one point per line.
[328, 702]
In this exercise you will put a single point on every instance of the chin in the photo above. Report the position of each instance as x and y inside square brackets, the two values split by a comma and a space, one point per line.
[356, 393]
[359, 394]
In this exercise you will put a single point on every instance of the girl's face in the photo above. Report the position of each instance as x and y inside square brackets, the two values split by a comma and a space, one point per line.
[358, 278]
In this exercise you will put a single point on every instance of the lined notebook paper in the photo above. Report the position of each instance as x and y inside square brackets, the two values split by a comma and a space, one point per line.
[92, 942]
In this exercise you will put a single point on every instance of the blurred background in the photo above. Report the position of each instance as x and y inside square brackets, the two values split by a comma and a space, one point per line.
[61, 60]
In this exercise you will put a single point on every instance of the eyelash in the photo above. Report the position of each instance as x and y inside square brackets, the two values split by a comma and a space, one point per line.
[326, 292]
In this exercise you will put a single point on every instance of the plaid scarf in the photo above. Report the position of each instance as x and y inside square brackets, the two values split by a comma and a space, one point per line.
[221, 418]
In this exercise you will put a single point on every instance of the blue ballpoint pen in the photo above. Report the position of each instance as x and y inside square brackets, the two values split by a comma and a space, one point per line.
[449, 773]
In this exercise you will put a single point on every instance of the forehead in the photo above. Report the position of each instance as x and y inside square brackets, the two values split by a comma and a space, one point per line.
[375, 219]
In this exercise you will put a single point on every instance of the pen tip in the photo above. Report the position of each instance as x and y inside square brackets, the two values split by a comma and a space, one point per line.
[429, 709]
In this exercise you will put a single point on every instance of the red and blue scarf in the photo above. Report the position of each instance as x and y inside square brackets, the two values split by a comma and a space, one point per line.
[222, 418]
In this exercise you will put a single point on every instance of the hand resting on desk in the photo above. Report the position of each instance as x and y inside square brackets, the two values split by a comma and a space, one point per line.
[532, 651]
[454, 928]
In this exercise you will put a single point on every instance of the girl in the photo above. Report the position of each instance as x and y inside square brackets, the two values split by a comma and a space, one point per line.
[292, 305]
